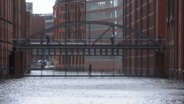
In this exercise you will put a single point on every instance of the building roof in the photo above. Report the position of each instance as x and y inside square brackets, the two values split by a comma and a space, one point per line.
[62, 1]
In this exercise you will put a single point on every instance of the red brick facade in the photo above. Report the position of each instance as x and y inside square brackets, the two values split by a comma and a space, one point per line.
[69, 11]
[181, 39]
[37, 24]
[175, 28]
[164, 20]
[6, 33]
[12, 26]
[147, 16]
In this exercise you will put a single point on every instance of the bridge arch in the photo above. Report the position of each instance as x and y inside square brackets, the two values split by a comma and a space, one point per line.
[129, 48]
[136, 34]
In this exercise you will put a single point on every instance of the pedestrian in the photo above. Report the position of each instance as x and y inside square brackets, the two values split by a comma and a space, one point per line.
[48, 40]
[90, 70]
[42, 65]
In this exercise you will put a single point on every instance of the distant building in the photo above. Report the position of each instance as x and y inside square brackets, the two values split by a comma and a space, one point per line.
[49, 22]
[29, 7]
[37, 24]
[104, 11]
[69, 11]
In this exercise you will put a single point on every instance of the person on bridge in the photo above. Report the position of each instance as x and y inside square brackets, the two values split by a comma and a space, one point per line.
[48, 40]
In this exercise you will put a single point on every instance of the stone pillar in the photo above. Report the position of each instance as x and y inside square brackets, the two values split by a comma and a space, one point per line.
[18, 64]
[161, 65]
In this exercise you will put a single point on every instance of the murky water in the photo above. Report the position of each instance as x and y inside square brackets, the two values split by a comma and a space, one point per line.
[91, 91]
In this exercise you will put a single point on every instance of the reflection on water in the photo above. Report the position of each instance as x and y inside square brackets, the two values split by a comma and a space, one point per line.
[91, 91]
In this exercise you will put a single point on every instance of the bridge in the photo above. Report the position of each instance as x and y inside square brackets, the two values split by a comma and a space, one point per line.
[87, 46]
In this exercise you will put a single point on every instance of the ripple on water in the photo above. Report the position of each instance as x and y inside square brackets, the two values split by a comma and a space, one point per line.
[91, 91]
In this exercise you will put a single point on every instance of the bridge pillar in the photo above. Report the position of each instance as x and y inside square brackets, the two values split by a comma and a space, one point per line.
[161, 72]
[18, 64]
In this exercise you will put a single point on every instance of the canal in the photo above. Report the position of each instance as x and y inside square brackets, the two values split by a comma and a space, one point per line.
[60, 90]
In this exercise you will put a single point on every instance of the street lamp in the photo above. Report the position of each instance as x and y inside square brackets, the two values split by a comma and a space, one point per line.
[112, 43]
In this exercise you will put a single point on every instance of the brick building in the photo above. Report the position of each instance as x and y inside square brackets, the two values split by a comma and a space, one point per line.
[69, 11]
[37, 24]
[49, 22]
[148, 17]
[175, 39]
[163, 20]
[6, 34]
[12, 27]
[104, 11]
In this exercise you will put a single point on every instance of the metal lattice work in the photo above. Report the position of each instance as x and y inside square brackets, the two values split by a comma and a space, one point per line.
[109, 43]
[122, 43]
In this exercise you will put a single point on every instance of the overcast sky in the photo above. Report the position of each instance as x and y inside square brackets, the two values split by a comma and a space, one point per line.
[42, 6]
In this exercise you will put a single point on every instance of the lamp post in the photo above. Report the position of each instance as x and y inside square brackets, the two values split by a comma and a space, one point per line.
[112, 43]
